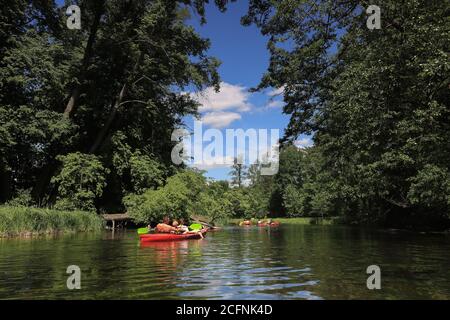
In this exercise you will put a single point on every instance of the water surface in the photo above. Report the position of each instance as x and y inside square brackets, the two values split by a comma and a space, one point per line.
[290, 262]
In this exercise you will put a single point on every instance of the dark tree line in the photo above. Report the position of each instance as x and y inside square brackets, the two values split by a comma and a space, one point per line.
[377, 102]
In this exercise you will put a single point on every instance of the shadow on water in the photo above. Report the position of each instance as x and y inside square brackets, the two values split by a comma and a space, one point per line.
[290, 262]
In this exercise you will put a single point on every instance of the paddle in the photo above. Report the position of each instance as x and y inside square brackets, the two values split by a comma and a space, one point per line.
[195, 227]
[142, 230]
[206, 224]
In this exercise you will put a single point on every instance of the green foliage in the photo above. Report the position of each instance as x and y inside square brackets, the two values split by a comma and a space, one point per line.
[145, 172]
[80, 181]
[378, 107]
[16, 221]
[137, 171]
[254, 173]
[243, 203]
[65, 92]
[430, 188]
[238, 173]
[248, 201]
[30, 139]
[178, 198]
[296, 201]
[23, 198]
[213, 202]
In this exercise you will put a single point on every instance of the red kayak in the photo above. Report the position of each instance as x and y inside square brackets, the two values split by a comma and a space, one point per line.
[154, 237]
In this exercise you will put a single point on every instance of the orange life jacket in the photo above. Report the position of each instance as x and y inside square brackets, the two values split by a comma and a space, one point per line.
[165, 228]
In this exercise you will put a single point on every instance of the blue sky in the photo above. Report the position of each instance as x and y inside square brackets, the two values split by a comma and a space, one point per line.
[245, 58]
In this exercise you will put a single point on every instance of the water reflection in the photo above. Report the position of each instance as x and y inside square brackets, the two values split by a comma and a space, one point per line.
[290, 262]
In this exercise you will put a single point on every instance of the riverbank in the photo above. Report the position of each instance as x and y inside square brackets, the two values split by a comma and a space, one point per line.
[296, 221]
[28, 221]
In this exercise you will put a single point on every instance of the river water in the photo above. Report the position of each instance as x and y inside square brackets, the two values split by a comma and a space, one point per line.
[290, 262]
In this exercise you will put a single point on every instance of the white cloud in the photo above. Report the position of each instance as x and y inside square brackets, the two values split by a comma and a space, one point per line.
[213, 148]
[276, 92]
[303, 143]
[220, 119]
[274, 101]
[275, 104]
[215, 163]
[230, 97]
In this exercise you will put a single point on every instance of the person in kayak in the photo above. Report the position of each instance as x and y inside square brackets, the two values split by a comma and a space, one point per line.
[178, 226]
[182, 227]
[165, 226]
[246, 222]
[185, 229]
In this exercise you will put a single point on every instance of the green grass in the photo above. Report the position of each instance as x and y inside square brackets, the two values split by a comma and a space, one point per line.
[26, 221]
[297, 221]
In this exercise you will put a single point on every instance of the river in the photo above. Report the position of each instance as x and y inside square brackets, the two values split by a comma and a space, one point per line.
[290, 262]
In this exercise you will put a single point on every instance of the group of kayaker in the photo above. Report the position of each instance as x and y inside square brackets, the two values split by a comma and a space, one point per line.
[261, 223]
[175, 227]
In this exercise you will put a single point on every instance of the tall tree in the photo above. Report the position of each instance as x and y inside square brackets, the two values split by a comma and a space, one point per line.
[254, 173]
[238, 172]
[376, 100]
[115, 88]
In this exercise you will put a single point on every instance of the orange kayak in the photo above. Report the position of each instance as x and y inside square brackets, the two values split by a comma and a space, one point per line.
[153, 237]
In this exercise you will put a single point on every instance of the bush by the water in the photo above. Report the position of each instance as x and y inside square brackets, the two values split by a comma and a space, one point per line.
[80, 182]
[177, 198]
[27, 220]
[189, 193]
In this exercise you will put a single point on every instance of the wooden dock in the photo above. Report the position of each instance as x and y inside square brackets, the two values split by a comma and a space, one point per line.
[116, 217]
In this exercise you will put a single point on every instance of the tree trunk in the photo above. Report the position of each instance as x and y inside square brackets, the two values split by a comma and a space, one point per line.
[5, 185]
[43, 181]
[75, 94]
[112, 115]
